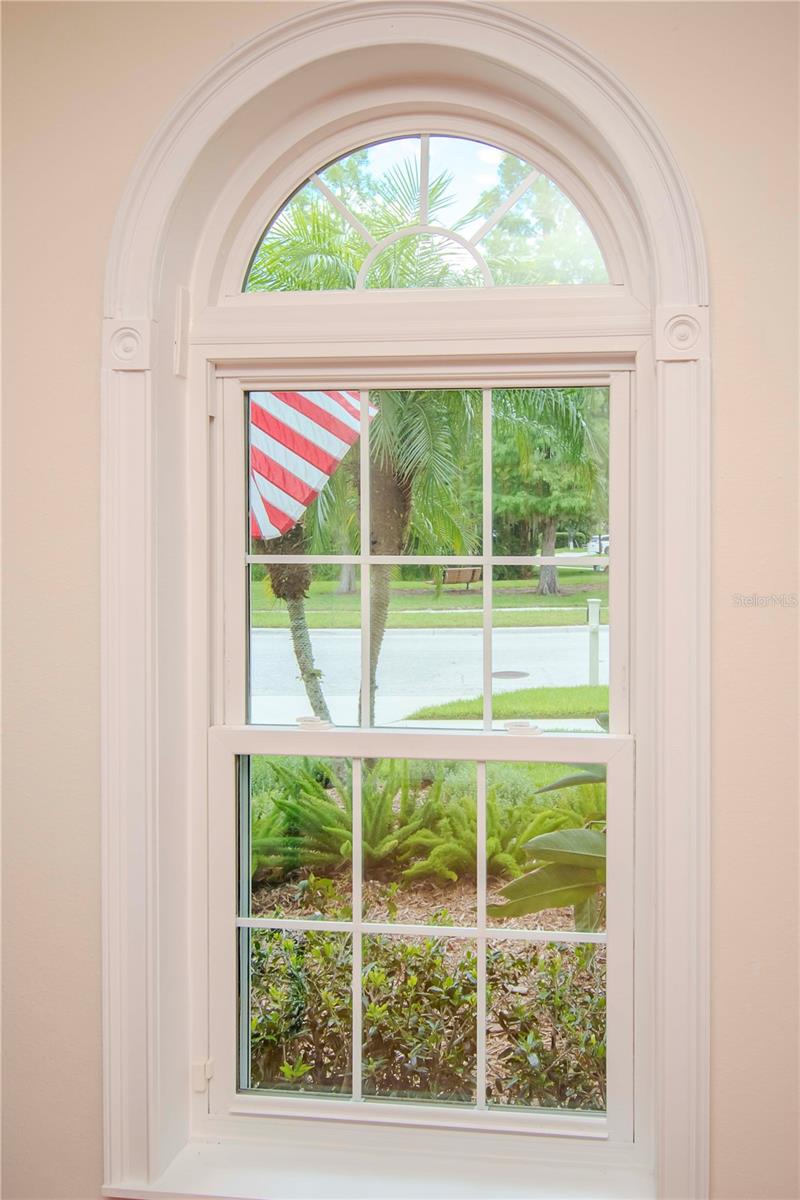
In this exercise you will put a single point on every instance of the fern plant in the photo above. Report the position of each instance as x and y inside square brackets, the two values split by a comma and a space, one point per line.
[447, 848]
[395, 812]
[309, 823]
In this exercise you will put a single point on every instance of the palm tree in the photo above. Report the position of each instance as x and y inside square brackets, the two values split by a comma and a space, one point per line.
[417, 438]
[290, 583]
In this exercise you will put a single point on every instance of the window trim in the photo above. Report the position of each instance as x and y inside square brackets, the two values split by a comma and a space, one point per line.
[151, 964]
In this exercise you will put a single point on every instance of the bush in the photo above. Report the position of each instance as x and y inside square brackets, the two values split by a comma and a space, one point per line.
[547, 1016]
[418, 818]
[301, 1011]
[546, 1038]
[419, 1022]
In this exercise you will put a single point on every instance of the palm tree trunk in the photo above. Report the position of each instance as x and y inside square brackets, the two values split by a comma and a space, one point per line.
[290, 583]
[347, 580]
[304, 653]
[548, 575]
[379, 595]
[390, 509]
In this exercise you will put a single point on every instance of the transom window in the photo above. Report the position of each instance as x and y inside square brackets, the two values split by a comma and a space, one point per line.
[426, 211]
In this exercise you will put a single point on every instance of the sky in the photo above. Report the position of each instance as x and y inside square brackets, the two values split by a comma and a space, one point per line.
[473, 166]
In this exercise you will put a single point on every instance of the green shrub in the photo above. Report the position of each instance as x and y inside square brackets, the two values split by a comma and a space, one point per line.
[308, 821]
[447, 849]
[567, 866]
[546, 1005]
[547, 1009]
[419, 1019]
[300, 1011]
[418, 818]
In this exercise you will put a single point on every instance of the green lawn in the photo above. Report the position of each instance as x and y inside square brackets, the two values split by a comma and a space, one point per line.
[544, 702]
[415, 604]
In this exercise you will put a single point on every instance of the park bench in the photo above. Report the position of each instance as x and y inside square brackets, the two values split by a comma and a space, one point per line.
[465, 575]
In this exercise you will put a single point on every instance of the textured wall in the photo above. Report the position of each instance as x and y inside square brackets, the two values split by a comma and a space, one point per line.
[84, 86]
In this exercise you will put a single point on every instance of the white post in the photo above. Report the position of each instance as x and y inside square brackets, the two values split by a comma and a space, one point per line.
[593, 617]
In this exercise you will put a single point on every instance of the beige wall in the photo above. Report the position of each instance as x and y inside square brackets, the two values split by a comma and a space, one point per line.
[84, 86]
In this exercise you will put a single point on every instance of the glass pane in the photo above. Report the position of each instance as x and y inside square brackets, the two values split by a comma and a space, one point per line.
[425, 472]
[542, 239]
[546, 846]
[549, 470]
[305, 643]
[419, 1019]
[426, 645]
[550, 647]
[309, 247]
[301, 837]
[546, 1025]
[468, 180]
[419, 842]
[424, 260]
[379, 184]
[303, 475]
[313, 245]
[300, 1010]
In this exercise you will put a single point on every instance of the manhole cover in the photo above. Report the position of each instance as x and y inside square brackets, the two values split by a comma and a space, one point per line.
[510, 674]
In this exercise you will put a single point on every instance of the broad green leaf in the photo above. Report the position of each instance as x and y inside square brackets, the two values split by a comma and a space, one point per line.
[553, 886]
[587, 914]
[590, 775]
[572, 847]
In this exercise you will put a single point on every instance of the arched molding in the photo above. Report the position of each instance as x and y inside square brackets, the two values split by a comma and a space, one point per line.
[557, 75]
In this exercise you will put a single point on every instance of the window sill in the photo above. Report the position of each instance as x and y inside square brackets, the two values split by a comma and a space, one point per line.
[269, 1171]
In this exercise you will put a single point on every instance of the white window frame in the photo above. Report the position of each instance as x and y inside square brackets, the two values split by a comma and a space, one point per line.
[176, 263]
[230, 736]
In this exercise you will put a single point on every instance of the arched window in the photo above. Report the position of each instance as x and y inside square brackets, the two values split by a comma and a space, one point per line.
[404, 742]
[426, 211]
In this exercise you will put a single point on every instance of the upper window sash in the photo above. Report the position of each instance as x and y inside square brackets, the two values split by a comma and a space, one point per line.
[229, 442]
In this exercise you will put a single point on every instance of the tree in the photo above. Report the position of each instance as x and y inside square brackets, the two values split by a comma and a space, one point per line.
[290, 583]
[542, 481]
[419, 488]
[542, 239]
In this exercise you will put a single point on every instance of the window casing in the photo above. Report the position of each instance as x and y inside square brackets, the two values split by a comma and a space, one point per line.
[162, 683]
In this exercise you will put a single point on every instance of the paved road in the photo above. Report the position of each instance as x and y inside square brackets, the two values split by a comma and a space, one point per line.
[417, 667]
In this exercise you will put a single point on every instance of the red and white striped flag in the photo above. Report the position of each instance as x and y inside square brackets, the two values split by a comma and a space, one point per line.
[297, 440]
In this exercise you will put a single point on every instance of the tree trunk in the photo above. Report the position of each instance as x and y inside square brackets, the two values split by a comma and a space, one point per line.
[303, 652]
[548, 575]
[347, 580]
[290, 583]
[390, 509]
[379, 596]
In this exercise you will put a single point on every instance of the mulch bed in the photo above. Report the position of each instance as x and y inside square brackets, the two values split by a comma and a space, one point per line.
[417, 903]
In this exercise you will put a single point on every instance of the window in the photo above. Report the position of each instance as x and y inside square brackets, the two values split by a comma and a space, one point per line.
[424, 906]
[426, 211]
[193, 761]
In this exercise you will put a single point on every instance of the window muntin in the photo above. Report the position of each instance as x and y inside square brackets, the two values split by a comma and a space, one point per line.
[427, 211]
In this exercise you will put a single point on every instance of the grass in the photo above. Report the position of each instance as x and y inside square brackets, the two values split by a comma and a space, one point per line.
[543, 702]
[416, 604]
